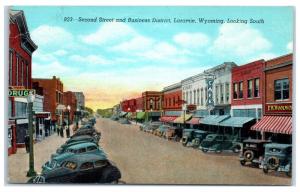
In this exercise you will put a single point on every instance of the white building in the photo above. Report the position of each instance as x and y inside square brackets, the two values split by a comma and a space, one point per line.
[195, 90]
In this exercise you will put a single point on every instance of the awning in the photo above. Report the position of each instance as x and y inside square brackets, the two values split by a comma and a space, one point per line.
[274, 124]
[236, 121]
[214, 119]
[140, 115]
[180, 119]
[167, 119]
[61, 107]
[173, 113]
[194, 121]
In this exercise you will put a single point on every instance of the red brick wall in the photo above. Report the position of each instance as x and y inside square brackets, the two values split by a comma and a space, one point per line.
[70, 99]
[174, 97]
[157, 98]
[139, 103]
[244, 73]
[24, 58]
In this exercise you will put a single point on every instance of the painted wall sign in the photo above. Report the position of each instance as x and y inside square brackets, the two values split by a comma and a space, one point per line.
[20, 92]
[279, 108]
[210, 100]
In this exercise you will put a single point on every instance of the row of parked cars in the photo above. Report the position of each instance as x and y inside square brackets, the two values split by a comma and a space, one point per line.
[79, 160]
[121, 120]
[264, 154]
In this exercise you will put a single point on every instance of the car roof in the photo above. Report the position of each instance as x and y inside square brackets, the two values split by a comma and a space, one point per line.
[87, 157]
[277, 145]
[80, 145]
[80, 137]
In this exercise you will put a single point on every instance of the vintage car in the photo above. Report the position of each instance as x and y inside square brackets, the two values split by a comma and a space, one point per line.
[153, 126]
[173, 133]
[87, 138]
[161, 130]
[142, 126]
[91, 132]
[78, 149]
[124, 121]
[197, 137]
[187, 136]
[220, 142]
[278, 157]
[252, 151]
[114, 118]
[88, 168]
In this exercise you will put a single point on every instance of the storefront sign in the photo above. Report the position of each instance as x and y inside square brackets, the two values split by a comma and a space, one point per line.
[210, 101]
[20, 92]
[280, 108]
[191, 107]
[22, 121]
[42, 115]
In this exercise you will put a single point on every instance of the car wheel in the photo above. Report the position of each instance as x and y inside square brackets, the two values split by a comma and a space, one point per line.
[272, 163]
[248, 155]
[242, 162]
[265, 170]
[204, 150]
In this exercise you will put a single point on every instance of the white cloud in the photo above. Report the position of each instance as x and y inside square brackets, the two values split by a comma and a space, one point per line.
[109, 33]
[239, 40]
[54, 68]
[91, 59]
[60, 52]
[289, 46]
[137, 43]
[46, 35]
[191, 40]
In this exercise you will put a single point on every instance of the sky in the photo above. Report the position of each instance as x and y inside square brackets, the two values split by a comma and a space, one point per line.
[112, 61]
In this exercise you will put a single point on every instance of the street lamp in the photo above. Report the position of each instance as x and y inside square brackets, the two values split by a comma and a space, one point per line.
[30, 99]
[68, 129]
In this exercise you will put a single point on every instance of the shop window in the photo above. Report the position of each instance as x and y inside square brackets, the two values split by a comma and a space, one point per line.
[20, 109]
[256, 87]
[250, 88]
[281, 89]
[241, 89]
[235, 91]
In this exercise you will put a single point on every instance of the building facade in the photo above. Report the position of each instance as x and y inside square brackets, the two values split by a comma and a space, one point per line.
[70, 100]
[247, 90]
[80, 100]
[152, 104]
[21, 48]
[277, 104]
[53, 97]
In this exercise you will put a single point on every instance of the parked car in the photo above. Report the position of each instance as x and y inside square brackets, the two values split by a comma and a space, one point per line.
[187, 136]
[174, 133]
[78, 149]
[278, 157]
[144, 125]
[161, 130]
[114, 118]
[153, 126]
[252, 151]
[124, 121]
[88, 168]
[91, 132]
[197, 137]
[220, 142]
[87, 138]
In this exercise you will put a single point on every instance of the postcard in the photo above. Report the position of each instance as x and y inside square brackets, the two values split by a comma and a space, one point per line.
[150, 95]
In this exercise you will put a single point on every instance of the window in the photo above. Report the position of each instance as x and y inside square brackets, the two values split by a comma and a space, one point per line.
[194, 97]
[10, 67]
[191, 97]
[87, 165]
[222, 93]
[20, 109]
[17, 71]
[82, 150]
[197, 96]
[22, 73]
[256, 87]
[169, 102]
[217, 94]
[205, 93]
[70, 165]
[173, 101]
[27, 74]
[100, 163]
[250, 88]
[91, 148]
[241, 89]
[227, 92]
[235, 91]
[281, 89]
[201, 97]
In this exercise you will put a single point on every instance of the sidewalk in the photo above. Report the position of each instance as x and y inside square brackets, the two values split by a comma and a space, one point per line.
[18, 164]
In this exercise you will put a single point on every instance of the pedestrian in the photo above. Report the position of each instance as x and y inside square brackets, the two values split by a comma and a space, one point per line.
[27, 141]
[68, 132]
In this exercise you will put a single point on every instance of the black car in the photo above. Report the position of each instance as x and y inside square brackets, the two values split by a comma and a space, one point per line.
[253, 151]
[86, 138]
[91, 132]
[87, 168]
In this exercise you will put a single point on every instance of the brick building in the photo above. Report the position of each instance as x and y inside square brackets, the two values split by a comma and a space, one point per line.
[172, 102]
[21, 48]
[70, 100]
[277, 104]
[80, 100]
[152, 101]
[139, 104]
[247, 90]
[53, 97]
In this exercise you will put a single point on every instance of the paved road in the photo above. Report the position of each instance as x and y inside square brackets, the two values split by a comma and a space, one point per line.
[146, 159]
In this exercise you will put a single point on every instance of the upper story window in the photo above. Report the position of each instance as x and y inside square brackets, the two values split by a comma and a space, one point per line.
[256, 87]
[250, 88]
[241, 89]
[281, 89]
[235, 91]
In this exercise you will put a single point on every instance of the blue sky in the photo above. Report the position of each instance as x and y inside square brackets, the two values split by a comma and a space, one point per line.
[113, 61]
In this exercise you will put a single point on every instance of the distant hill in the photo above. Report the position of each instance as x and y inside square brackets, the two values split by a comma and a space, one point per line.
[105, 112]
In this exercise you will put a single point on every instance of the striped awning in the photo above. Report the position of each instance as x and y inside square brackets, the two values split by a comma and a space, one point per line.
[183, 118]
[194, 121]
[168, 119]
[274, 124]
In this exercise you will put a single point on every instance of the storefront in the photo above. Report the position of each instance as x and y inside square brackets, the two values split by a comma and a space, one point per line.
[21, 131]
[42, 122]
[170, 116]
[276, 123]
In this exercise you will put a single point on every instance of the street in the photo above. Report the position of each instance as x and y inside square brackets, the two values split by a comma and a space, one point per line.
[147, 159]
